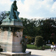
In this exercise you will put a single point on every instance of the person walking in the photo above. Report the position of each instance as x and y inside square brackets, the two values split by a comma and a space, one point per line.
[52, 47]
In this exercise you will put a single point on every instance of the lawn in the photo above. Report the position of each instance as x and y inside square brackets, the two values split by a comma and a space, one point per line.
[30, 46]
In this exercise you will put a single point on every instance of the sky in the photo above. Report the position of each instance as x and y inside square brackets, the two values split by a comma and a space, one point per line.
[32, 8]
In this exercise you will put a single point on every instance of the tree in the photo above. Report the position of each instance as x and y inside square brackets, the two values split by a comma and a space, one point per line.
[29, 27]
[39, 28]
[2, 16]
[46, 29]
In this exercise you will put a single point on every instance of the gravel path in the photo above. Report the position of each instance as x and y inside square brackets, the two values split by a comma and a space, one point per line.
[42, 52]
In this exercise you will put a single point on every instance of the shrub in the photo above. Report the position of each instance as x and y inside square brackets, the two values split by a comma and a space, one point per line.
[47, 47]
[29, 39]
[38, 41]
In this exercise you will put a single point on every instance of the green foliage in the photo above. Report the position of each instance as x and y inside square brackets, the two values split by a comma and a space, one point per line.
[38, 41]
[29, 27]
[47, 29]
[29, 39]
[39, 27]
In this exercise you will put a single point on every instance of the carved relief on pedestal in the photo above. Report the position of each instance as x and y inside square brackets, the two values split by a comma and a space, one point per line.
[17, 36]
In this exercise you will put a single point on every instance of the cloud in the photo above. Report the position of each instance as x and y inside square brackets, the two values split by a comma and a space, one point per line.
[5, 5]
[36, 8]
[54, 7]
[32, 8]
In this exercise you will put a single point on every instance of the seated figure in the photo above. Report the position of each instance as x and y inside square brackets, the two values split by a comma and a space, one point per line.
[13, 12]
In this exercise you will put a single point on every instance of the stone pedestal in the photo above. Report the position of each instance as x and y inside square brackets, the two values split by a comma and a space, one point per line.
[11, 33]
[10, 37]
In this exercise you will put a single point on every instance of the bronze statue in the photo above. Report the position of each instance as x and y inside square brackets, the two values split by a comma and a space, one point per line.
[13, 12]
[24, 43]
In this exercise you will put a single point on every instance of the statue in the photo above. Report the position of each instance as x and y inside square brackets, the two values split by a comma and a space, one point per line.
[13, 12]
[24, 42]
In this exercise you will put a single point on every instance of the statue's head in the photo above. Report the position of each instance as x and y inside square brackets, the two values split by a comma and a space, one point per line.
[14, 2]
[25, 36]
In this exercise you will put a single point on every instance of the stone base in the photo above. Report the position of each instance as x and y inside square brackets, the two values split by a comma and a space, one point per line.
[27, 53]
